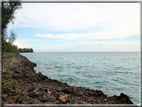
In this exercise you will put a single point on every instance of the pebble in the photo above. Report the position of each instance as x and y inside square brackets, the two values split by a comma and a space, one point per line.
[63, 98]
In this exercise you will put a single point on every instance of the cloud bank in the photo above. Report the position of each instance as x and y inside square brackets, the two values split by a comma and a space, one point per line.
[81, 22]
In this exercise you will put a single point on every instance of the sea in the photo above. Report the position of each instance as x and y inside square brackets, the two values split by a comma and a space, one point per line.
[111, 72]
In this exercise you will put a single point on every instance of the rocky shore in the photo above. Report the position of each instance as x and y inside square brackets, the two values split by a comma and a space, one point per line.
[22, 85]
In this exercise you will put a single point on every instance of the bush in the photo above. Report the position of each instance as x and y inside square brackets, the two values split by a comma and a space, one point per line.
[8, 47]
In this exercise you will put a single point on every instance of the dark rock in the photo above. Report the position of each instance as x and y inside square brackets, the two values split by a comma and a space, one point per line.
[65, 84]
[30, 88]
[34, 95]
[25, 93]
[48, 98]
[66, 90]
[17, 72]
[41, 77]
[38, 87]
[44, 90]
[7, 77]
[125, 99]
[15, 77]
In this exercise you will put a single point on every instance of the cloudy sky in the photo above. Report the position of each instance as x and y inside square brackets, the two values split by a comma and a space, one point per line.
[78, 27]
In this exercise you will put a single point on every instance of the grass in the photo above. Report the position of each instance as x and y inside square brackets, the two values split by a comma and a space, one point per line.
[10, 83]
[4, 90]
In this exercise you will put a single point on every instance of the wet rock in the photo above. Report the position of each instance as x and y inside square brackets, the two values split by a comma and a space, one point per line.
[98, 93]
[41, 77]
[125, 99]
[65, 84]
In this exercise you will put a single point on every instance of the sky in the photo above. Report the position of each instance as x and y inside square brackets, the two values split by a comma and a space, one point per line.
[77, 27]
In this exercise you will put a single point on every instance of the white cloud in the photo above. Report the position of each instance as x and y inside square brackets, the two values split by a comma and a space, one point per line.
[102, 46]
[67, 36]
[26, 43]
[45, 47]
[97, 20]
[114, 20]
[21, 44]
[106, 43]
[114, 34]
[78, 16]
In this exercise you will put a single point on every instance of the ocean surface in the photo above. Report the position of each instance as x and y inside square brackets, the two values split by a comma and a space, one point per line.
[111, 72]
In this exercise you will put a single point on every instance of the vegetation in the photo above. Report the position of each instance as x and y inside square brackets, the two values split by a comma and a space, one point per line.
[7, 46]
[25, 50]
[11, 87]
[8, 10]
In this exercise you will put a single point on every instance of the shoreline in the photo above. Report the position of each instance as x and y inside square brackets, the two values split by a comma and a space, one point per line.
[22, 85]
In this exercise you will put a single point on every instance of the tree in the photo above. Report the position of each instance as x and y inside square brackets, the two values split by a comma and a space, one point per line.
[12, 37]
[25, 50]
[4, 46]
[31, 49]
[8, 9]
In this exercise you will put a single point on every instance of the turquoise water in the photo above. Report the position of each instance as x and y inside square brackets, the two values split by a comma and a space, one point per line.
[111, 72]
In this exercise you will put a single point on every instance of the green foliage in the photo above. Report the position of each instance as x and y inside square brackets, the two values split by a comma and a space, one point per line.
[4, 90]
[8, 47]
[4, 45]
[25, 50]
[12, 37]
[8, 10]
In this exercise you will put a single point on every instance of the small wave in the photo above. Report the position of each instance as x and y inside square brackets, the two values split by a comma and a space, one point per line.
[78, 67]
[70, 79]
[126, 72]
[97, 82]
[77, 73]
[49, 68]
[59, 70]
[106, 88]
[67, 64]
[117, 79]
[57, 66]
[93, 76]
[99, 87]
[122, 68]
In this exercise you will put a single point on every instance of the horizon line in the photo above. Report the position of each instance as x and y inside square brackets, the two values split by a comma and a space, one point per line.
[97, 51]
